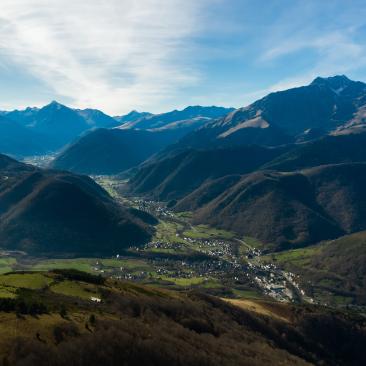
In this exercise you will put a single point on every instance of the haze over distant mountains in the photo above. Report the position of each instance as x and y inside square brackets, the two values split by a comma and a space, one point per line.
[114, 150]
[55, 125]
[111, 151]
[37, 131]
[132, 116]
[177, 119]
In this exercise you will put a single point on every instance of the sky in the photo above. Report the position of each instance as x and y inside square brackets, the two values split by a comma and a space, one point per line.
[160, 55]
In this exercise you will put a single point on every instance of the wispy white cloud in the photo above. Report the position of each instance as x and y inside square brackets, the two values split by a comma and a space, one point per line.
[336, 52]
[327, 34]
[109, 54]
[157, 55]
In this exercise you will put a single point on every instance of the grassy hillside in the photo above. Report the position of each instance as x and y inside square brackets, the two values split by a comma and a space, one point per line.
[336, 269]
[61, 322]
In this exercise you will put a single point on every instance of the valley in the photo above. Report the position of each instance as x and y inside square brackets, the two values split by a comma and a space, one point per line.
[180, 256]
[182, 183]
[235, 203]
[235, 266]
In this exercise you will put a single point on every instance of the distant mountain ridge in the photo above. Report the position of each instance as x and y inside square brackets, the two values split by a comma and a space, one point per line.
[115, 150]
[160, 121]
[330, 105]
[51, 127]
[304, 119]
[286, 196]
[132, 117]
[56, 125]
[36, 117]
[96, 118]
[300, 164]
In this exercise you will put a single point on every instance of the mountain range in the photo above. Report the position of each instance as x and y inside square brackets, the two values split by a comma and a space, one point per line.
[327, 105]
[161, 176]
[283, 209]
[131, 117]
[288, 169]
[37, 131]
[47, 129]
[114, 150]
[173, 175]
[196, 114]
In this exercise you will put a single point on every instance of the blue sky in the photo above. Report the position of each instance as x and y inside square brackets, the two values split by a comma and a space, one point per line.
[158, 55]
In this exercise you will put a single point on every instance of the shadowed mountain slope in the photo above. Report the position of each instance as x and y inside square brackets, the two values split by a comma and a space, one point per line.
[327, 150]
[173, 173]
[178, 173]
[285, 209]
[110, 151]
[15, 139]
[327, 105]
[45, 211]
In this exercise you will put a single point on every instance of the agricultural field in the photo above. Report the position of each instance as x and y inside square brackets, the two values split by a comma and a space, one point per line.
[75, 289]
[113, 186]
[167, 231]
[34, 281]
[296, 257]
[81, 264]
[6, 264]
[206, 232]
[141, 270]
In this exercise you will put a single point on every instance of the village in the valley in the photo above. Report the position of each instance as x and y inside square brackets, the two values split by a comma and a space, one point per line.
[187, 256]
